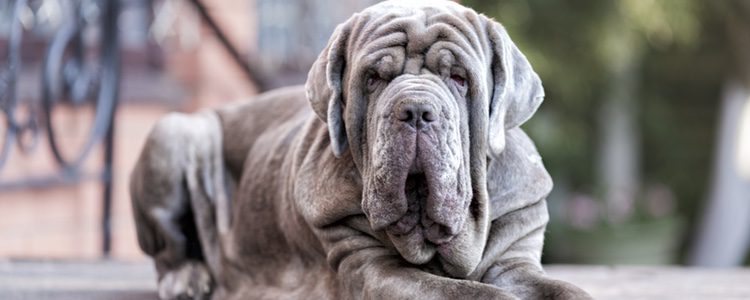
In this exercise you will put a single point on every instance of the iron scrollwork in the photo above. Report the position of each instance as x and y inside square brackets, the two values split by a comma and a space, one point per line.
[8, 77]
[80, 72]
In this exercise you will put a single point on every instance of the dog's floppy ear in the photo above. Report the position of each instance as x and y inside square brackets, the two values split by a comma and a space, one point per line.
[324, 84]
[517, 90]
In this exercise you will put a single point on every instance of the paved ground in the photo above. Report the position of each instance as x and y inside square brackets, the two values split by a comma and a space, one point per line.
[77, 280]
[135, 280]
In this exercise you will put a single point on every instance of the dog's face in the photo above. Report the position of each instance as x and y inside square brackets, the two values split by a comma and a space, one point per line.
[421, 93]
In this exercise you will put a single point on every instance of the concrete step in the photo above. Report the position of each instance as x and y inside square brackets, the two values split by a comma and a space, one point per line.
[120, 280]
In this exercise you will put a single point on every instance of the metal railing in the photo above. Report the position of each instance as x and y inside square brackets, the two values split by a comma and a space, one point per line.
[80, 72]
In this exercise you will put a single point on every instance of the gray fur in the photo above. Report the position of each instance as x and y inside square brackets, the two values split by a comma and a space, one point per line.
[384, 178]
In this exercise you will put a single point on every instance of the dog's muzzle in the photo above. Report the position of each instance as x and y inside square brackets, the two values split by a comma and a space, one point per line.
[419, 189]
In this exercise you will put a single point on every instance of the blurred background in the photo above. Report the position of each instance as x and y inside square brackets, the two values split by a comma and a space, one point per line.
[645, 128]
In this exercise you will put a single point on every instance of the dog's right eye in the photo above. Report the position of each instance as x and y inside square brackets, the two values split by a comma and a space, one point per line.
[459, 80]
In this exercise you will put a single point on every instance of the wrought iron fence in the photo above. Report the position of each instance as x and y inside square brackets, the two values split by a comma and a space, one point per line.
[80, 72]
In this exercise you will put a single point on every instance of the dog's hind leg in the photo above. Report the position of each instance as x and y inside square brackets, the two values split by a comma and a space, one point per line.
[163, 192]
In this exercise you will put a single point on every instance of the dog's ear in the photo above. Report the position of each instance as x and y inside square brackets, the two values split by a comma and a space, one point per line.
[324, 84]
[517, 90]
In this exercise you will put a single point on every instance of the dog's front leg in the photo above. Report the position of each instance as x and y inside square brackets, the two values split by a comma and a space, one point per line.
[527, 280]
[367, 269]
[376, 273]
[512, 257]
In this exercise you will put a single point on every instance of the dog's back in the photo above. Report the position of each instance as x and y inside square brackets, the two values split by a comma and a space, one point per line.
[245, 121]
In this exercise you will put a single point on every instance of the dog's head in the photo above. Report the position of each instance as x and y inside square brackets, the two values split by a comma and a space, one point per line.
[421, 93]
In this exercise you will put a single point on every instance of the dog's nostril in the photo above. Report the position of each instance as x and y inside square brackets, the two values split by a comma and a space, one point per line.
[413, 113]
[428, 116]
[405, 115]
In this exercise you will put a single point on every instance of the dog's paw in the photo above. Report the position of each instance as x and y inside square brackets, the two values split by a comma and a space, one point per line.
[560, 290]
[190, 281]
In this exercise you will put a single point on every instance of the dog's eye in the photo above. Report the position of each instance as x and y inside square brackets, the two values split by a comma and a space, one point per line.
[459, 80]
[373, 81]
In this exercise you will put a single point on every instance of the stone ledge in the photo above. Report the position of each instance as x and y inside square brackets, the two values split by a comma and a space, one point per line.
[657, 282]
[118, 280]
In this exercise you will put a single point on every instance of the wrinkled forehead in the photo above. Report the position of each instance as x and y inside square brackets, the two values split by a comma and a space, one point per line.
[415, 7]
[403, 33]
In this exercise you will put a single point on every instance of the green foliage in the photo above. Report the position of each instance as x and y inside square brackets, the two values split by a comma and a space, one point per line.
[679, 49]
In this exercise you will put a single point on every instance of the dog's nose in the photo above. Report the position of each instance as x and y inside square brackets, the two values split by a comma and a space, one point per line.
[416, 114]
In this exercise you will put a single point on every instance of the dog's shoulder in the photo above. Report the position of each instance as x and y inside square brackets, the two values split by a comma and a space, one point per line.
[327, 188]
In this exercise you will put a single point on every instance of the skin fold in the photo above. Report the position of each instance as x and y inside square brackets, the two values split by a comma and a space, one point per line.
[397, 172]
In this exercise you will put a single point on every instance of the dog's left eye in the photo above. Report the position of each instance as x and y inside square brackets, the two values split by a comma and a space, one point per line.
[373, 81]
[459, 80]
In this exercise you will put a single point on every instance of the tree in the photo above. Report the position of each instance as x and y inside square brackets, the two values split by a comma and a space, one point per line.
[724, 236]
[631, 84]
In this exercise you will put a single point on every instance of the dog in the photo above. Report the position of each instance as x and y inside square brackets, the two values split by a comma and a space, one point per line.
[398, 171]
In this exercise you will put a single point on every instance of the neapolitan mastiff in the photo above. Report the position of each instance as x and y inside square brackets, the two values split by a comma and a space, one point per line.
[398, 172]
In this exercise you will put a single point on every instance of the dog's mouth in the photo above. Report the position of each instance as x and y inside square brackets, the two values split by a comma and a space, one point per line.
[415, 193]
[407, 232]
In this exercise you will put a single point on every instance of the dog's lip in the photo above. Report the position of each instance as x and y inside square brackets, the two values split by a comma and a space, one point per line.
[416, 163]
[413, 247]
[399, 229]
